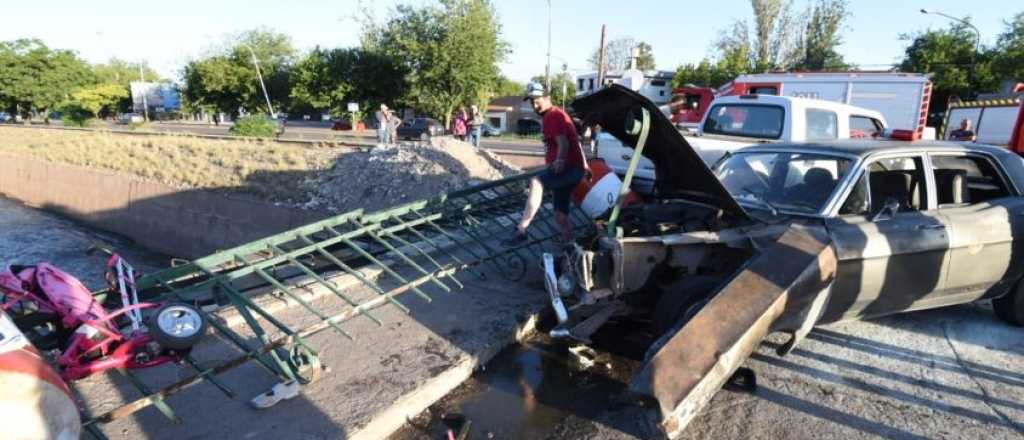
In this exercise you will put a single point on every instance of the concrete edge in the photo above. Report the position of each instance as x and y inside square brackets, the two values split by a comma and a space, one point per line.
[391, 419]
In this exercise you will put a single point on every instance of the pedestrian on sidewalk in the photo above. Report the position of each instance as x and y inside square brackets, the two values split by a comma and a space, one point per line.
[459, 125]
[393, 122]
[382, 125]
[565, 166]
[476, 122]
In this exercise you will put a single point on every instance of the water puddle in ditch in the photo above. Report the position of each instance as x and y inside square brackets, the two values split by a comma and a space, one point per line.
[537, 390]
[30, 236]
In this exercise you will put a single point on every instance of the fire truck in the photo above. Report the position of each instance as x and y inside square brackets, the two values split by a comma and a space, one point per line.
[902, 98]
[995, 120]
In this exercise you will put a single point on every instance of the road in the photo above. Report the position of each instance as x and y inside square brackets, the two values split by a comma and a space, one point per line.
[321, 131]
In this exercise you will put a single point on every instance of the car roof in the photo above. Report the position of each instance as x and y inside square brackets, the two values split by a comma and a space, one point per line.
[868, 147]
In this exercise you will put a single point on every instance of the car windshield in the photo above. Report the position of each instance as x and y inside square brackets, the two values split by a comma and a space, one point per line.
[747, 120]
[798, 183]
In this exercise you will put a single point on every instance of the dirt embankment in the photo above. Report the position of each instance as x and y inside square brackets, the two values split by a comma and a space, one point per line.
[319, 176]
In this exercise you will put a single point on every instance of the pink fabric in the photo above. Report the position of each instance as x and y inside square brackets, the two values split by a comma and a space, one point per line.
[459, 126]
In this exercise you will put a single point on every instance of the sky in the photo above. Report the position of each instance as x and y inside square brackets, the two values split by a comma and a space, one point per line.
[167, 35]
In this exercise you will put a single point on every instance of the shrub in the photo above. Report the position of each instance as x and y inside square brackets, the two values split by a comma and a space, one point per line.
[256, 126]
[76, 116]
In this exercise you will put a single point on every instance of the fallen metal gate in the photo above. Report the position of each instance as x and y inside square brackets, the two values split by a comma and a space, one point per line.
[421, 247]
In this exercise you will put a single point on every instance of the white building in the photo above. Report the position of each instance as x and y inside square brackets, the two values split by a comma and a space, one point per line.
[655, 85]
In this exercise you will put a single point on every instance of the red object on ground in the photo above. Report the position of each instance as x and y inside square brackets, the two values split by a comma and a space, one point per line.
[34, 401]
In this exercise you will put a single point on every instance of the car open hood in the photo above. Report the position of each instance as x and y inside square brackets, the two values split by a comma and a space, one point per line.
[680, 171]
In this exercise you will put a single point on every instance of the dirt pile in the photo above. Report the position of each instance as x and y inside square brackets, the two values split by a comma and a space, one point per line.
[391, 175]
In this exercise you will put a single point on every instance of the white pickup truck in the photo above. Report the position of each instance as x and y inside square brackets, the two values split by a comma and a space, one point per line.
[733, 122]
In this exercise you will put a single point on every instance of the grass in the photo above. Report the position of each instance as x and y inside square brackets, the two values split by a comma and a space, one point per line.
[269, 170]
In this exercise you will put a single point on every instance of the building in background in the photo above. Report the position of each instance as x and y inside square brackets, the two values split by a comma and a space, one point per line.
[655, 85]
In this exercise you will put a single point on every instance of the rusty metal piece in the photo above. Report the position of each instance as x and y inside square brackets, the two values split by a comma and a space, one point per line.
[694, 363]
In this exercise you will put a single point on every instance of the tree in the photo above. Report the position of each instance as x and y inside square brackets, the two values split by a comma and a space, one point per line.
[1008, 61]
[619, 52]
[36, 79]
[559, 82]
[507, 87]
[122, 73]
[100, 99]
[330, 79]
[450, 53]
[227, 81]
[821, 36]
[775, 31]
[949, 55]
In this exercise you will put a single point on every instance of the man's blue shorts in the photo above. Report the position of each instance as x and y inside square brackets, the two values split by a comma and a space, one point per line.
[561, 185]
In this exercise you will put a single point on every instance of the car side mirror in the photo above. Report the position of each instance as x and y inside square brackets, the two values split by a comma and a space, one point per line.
[889, 209]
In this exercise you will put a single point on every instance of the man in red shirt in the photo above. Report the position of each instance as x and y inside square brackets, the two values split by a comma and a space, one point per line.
[565, 165]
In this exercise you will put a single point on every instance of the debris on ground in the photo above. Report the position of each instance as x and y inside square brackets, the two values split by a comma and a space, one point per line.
[390, 175]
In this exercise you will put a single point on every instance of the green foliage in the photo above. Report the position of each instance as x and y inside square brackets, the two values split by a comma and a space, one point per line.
[123, 73]
[227, 80]
[818, 48]
[949, 55]
[618, 52]
[557, 82]
[705, 74]
[255, 126]
[507, 87]
[76, 116]
[330, 79]
[1008, 62]
[450, 53]
[35, 78]
[99, 100]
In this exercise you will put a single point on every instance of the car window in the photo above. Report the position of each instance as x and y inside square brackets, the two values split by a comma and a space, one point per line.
[966, 179]
[747, 120]
[900, 179]
[821, 125]
[864, 127]
[792, 182]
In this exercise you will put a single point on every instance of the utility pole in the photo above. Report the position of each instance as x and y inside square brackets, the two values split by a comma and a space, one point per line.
[600, 59]
[547, 67]
[142, 90]
[259, 75]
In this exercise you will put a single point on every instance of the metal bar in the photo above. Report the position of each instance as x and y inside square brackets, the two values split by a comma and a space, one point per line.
[409, 261]
[406, 243]
[329, 285]
[213, 380]
[380, 264]
[158, 403]
[277, 284]
[359, 276]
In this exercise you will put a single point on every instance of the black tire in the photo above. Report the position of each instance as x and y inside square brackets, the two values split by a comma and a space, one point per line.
[1010, 307]
[425, 137]
[181, 326]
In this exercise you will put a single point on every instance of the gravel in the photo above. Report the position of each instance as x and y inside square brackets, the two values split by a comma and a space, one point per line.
[392, 175]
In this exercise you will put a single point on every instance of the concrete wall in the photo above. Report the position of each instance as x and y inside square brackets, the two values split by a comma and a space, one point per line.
[178, 222]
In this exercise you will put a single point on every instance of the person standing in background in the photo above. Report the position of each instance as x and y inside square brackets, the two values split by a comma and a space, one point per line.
[393, 122]
[476, 122]
[382, 125]
[459, 125]
[964, 133]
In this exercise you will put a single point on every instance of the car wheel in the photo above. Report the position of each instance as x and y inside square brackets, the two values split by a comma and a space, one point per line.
[425, 137]
[176, 326]
[1010, 307]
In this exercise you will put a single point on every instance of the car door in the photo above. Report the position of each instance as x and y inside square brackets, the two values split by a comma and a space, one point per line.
[984, 213]
[888, 262]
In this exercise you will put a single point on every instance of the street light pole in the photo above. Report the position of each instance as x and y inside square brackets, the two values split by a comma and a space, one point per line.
[977, 33]
[547, 67]
[259, 75]
[142, 90]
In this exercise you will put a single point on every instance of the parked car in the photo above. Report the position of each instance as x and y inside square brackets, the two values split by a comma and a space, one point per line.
[341, 125]
[132, 118]
[489, 130]
[738, 121]
[4, 117]
[420, 128]
[781, 238]
[526, 127]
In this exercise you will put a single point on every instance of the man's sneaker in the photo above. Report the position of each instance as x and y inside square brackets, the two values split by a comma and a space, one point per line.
[516, 239]
[281, 391]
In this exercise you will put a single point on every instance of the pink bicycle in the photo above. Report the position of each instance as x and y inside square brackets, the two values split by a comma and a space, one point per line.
[53, 303]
